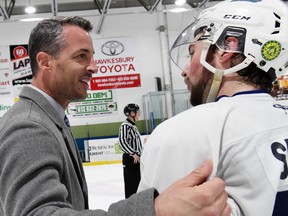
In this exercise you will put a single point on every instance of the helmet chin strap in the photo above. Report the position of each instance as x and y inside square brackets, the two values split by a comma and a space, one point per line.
[133, 117]
[219, 73]
[215, 86]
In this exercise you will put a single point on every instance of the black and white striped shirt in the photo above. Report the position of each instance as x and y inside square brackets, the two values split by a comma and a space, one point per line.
[129, 138]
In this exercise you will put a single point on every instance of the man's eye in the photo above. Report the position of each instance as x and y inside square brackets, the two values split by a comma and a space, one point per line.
[191, 54]
[81, 56]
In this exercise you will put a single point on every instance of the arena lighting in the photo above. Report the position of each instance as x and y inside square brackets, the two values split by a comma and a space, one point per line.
[31, 19]
[30, 9]
[178, 10]
[180, 2]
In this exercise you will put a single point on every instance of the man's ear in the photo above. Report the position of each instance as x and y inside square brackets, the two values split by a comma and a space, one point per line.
[231, 44]
[43, 60]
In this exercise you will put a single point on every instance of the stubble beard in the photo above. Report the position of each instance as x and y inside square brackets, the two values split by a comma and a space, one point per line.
[199, 91]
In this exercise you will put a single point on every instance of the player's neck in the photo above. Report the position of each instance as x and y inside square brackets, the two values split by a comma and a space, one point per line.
[233, 84]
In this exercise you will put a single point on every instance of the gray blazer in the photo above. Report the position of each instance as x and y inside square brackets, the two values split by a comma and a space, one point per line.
[40, 167]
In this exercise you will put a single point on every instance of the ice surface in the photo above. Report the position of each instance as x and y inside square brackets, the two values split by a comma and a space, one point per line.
[105, 185]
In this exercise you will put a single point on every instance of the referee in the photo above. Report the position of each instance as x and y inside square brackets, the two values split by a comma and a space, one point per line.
[130, 144]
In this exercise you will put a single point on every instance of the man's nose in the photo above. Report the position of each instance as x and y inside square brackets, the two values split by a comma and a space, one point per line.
[185, 70]
[93, 68]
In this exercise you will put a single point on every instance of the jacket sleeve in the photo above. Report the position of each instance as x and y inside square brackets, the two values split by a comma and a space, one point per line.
[32, 173]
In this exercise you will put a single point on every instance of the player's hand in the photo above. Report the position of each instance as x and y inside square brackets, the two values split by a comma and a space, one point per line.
[188, 196]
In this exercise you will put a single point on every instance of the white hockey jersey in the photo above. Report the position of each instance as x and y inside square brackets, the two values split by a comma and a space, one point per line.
[246, 136]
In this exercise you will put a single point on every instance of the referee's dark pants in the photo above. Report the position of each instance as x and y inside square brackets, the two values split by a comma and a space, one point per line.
[131, 173]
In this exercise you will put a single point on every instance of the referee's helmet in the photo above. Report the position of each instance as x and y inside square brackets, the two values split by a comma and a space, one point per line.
[131, 107]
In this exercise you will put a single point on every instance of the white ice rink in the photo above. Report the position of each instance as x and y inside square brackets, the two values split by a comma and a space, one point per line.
[105, 185]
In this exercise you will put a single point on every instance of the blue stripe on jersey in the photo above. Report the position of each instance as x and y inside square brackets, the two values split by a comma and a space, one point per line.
[257, 91]
[281, 204]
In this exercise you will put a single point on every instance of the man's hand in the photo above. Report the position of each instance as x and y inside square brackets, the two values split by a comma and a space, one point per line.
[136, 158]
[188, 196]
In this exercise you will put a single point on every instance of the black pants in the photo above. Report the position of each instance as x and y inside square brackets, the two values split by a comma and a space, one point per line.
[131, 173]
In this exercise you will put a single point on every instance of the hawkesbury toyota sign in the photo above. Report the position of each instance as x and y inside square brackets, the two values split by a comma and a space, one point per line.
[118, 65]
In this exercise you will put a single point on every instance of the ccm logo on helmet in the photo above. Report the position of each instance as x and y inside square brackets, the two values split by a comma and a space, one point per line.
[238, 17]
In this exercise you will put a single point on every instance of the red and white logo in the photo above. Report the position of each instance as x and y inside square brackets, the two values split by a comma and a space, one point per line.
[19, 52]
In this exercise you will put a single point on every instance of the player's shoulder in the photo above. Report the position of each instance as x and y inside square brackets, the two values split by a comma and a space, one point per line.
[195, 115]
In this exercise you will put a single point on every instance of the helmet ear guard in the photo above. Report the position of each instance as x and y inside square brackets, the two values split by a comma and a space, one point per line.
[231, 31]
[233, 69]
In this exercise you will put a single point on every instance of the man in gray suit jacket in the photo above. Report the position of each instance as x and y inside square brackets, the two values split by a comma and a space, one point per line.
[40, 167]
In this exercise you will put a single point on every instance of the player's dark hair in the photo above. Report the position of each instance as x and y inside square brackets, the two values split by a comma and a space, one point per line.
[255, 75]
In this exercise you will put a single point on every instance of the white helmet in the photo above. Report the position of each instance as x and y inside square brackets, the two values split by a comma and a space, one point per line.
[260, 25]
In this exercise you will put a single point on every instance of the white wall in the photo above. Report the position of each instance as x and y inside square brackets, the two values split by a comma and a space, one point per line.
[140, 25]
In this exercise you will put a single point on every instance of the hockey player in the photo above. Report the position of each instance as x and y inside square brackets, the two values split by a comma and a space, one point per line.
[237, 49]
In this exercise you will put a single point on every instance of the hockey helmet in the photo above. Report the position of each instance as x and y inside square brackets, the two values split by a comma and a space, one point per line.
[261, 27]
